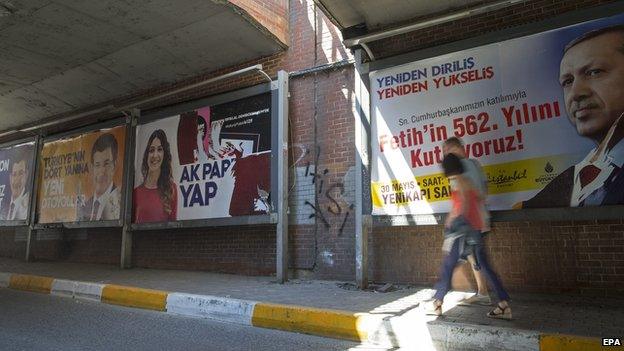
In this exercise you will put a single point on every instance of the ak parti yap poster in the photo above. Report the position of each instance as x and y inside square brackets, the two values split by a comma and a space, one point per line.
[210, 162]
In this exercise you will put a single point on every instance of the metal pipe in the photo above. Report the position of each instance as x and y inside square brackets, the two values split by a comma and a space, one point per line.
[113, 108]
[429, 23]
[257, 67]
[369, 52]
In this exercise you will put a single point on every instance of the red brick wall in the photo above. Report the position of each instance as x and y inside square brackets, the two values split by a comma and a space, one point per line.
[272, 14]
[323, 154]
[519, 14]
[582, 257]
[248, 250]
[95, 245]
[8, 246]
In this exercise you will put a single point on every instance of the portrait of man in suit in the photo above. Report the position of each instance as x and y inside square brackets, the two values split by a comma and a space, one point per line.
[104, 203]
[592, 79]
[18, 206]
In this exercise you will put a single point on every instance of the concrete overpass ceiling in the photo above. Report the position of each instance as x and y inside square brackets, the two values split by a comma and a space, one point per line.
[377, 14]
[61, 55]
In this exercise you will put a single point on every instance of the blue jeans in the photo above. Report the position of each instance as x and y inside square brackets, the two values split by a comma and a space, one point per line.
[450, 261]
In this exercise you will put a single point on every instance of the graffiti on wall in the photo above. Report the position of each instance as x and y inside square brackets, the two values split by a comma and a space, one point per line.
[318, 196]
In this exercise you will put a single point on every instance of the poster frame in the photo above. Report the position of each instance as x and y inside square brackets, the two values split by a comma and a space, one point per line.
[31, 180]
[148, 116]
[613, 212]
[116, 122]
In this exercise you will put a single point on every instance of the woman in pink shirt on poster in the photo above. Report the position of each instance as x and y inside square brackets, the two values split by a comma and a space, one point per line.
[156, 199]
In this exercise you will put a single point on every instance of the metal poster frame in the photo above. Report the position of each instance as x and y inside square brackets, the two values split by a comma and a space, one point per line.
[79, 224]
[172, 110]
[541, 214]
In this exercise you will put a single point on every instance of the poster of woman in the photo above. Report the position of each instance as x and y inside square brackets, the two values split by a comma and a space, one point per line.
[210, 162]
[155, 199]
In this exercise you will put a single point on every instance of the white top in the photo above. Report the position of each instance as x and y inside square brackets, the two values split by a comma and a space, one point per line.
[594, 192]
[20, 207]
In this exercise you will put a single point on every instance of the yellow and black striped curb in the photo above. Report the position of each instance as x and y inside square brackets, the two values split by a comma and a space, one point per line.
[362, 327]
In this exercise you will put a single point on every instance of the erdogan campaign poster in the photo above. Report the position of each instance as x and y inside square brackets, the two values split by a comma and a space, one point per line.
[534, 111]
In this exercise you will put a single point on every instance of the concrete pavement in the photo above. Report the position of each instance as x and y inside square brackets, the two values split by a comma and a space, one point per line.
[37, 322]
[393, 319]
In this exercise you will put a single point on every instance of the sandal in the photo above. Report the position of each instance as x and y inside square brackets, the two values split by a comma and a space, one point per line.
[500, 312]
[436, 310]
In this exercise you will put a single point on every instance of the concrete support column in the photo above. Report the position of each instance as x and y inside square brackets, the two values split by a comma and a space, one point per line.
[32, 216]
[363, 219]
[281, 190]
[126, 233]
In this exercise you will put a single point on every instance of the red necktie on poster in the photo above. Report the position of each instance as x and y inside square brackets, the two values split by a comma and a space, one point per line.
[588, 174]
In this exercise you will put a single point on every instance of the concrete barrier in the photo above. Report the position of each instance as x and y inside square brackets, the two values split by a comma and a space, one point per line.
[330, 323]
[77, 290]
[134, 297]
[411, 330]
[218, 308]
[559, 342]
[31, 283]
[5, 279]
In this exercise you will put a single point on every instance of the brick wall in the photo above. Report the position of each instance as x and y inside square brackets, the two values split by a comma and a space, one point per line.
[9, 246]
[519, 14]
[581, 257]
[272, 14]
[248, 250]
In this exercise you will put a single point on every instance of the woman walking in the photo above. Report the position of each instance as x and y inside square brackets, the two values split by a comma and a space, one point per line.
[462, 237]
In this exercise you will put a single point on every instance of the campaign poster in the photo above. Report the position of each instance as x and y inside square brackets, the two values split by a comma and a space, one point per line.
[211, 162]
[541, 113]
[81, 177]
[15, 185]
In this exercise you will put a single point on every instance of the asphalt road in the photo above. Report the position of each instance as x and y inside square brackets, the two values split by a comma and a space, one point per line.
[30, 321]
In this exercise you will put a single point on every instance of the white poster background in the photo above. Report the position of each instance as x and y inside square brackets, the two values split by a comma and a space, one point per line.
[219, 205]
[527, 66]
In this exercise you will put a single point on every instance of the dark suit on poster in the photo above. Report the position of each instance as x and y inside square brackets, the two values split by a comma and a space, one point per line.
[110, 208]
[558, 193]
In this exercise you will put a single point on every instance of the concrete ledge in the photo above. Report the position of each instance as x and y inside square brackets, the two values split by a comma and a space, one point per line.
[330, 323]
[77, 290]
[218, 308]
[135, 297]
[558, 342]
[482, 337]
[32, 283]
[5, 279]
[412, 330]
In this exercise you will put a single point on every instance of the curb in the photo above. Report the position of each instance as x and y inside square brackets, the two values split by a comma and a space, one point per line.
[381, 329]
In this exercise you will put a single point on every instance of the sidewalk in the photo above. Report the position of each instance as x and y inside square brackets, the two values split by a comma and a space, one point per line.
[393, 319]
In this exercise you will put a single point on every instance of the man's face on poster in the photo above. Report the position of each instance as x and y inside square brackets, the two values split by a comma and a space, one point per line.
[592, 78]
[18, 178]
[103, 170]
